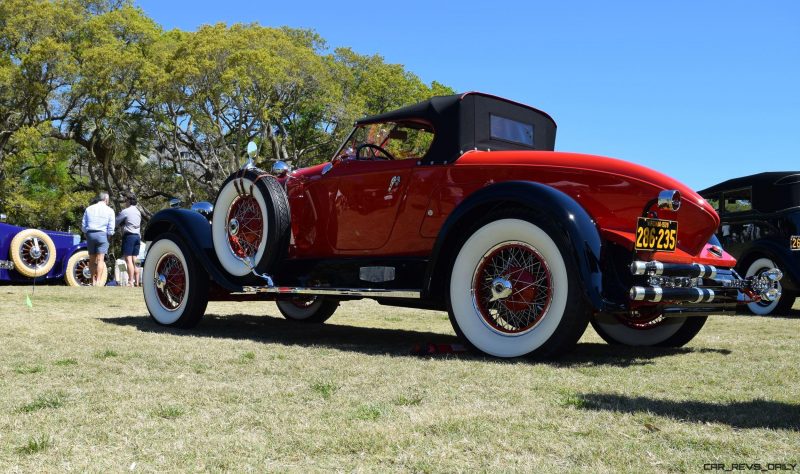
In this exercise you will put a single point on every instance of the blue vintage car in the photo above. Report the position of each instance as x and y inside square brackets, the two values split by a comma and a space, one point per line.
[43, 256]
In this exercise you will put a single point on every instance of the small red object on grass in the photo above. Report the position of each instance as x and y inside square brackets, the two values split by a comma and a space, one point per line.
[437, 349]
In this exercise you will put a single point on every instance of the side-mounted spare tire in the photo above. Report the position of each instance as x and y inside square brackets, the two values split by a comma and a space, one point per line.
[33, 253]
[251, 224]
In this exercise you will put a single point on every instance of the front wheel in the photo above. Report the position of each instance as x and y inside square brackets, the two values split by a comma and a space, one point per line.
[309, 309]
[655, 331]
[781, 305]
[175, 284]
[514, 290]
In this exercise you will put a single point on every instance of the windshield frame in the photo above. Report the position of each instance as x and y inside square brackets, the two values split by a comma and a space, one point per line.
[425, 125]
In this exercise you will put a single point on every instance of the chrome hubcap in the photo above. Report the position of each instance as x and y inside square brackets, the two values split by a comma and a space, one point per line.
[161, 282]
[501, 288]
[233, 227]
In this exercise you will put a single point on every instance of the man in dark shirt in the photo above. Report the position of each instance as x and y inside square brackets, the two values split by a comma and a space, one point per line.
[130, 219]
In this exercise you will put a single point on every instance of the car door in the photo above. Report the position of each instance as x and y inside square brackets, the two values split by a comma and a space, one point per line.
[369, 195]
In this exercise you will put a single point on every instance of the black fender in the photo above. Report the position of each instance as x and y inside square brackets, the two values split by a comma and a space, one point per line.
[777, 251]
[195, 230]
[68, 255]
[561, 210]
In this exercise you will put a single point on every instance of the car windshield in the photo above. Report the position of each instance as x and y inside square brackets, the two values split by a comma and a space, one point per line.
[388, 140]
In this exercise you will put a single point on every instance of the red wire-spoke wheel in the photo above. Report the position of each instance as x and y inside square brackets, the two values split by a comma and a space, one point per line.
[245, 226]
[170, 281]
[251, 227]
[176, 285]
[512, 288]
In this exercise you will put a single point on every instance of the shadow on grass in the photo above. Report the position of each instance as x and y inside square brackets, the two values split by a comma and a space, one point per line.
[749, 414]
[396, 342]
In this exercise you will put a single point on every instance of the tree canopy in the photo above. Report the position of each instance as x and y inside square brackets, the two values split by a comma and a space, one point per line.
[94, 95]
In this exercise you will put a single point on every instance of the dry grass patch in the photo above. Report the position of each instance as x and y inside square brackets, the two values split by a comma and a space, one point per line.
[89, 383]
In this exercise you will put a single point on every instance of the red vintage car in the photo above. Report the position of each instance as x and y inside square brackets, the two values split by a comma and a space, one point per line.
[459, 204]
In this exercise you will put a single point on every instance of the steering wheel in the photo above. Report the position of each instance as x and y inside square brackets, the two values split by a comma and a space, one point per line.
[375, 149]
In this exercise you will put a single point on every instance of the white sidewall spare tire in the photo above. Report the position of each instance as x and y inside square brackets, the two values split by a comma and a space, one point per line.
[228, 195]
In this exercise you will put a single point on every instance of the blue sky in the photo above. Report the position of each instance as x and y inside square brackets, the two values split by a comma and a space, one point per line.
[701, 90]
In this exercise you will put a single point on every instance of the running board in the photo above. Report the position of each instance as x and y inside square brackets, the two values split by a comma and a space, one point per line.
[325, 291]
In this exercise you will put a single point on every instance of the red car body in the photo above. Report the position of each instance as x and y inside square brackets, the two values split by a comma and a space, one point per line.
[350, 212]
[479, 216]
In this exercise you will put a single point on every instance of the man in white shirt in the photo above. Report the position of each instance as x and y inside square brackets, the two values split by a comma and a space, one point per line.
[98, 226]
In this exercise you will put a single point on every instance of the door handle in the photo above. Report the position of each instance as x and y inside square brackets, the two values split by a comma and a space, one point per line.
[394, 183]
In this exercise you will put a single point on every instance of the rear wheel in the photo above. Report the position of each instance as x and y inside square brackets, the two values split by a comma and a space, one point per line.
[175, 284]
[33, 253]
[514, 289]
[78, 272]
[655, 330]
[307, 309]
[763, 308]
[250, 227]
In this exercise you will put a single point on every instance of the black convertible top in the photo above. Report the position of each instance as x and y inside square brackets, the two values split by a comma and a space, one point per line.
[475, 121]
[772, 191]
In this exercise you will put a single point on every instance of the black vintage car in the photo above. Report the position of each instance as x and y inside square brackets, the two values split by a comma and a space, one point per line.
[760, 226]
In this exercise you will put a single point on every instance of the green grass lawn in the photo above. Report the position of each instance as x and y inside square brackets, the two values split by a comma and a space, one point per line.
[89, 383]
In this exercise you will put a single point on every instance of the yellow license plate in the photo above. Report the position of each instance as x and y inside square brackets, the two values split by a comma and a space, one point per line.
[794, 242]
[656, 235]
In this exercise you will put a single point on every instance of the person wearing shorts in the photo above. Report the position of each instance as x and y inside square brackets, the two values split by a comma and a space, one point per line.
[98, 226]
[130, 219]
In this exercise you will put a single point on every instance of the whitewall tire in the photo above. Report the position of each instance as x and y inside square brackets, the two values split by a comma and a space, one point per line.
[659, 331]
[513, 291]
[250, 223]
[175, 285]
[311, 309]
[763, 308]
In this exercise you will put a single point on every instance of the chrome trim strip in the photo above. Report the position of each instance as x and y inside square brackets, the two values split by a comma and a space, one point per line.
[365, 292]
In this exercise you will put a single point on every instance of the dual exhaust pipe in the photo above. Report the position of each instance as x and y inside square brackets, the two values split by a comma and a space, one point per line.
[762, 286]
